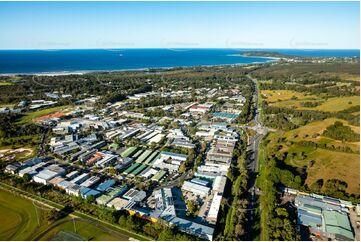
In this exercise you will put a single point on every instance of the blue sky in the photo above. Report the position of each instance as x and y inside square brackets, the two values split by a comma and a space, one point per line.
[64, 25]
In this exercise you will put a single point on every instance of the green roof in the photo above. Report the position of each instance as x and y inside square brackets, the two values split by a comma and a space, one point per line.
[144, 156]
[137, 154]
[151, 157]
[128, 151]
[104, 198]
[156, 158]
[117, 190]
[312, 209]
[338, 223]
[131, 168]
[158, 175]
[139, 169]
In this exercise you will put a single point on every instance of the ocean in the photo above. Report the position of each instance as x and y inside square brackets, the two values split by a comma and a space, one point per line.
[86, 60]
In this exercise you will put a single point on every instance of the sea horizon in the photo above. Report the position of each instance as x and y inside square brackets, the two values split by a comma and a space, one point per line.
[81, 61]
[181, 48]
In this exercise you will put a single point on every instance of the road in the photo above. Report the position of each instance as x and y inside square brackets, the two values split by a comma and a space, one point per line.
[252, 163]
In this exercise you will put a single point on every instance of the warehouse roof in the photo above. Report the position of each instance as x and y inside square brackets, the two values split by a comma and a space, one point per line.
[131, 168]
[128, 151]
[338, 223]
[105, 185]
[139, 169]
[118, 203]
[215, 206]
[158, 175]
[197, 229]
[173, 154]
[309, 219]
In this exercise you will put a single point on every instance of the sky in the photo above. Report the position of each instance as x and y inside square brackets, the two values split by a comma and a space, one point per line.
[77, 25]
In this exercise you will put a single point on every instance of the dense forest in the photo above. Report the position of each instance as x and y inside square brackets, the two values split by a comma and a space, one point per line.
[115, 86]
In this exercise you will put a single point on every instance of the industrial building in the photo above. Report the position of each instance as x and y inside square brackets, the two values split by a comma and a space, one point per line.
[48, 173]
[214, 209]
[324, 219]
[195, 188]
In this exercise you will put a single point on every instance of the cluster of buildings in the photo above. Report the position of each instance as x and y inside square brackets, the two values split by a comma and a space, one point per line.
[151, 164]
[36, 104]
[177, 138]
[105, 191]
[109, 154]
[325, 217]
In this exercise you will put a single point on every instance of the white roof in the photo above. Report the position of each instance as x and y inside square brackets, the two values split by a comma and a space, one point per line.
[193, 186]
[219, 183]
[215, 205]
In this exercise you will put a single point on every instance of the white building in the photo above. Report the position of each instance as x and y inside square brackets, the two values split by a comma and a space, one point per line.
[91, 181]
[48, 173]
[219, 184]
[80, 178]
[214, 209]
[195, 188]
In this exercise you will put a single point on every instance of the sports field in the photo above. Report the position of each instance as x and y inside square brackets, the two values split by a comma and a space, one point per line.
[19, 221]
[79, 230]
[30, 116]
[18, 218]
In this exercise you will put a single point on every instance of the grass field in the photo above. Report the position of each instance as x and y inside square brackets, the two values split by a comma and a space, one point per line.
[313, 132]
[272, 96]
[82, 229]
[329, 164]
[293, 99]
[19, 222]
[336, 104]
[5, 83]
[349, 77]
[338, 165]
[31, 115]
[18, 218]
[7, 105]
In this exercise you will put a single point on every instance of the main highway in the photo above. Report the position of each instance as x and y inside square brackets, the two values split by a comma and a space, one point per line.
[252, 162]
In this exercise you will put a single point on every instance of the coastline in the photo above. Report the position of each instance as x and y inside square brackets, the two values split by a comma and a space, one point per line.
[266, 57]
[82, 72]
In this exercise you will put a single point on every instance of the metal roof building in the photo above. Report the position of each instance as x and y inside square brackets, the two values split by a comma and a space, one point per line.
[214, 209]
[72, 174]
[64, 184]
[323, 215]
[200, 182]
[159, 175]
[200, 230]
[309, 219]
[138, 170]
[172, 155]
[338, 224]
[219, 184]
[144, 156]
[131, 168]
[87, 192]
[151, 158]
[195, 188]
[48, 173]
[128, 152]
[102, 187]
[81, 178]
[90, 181]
